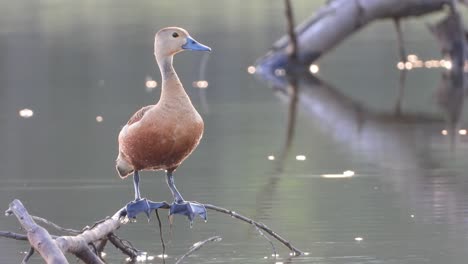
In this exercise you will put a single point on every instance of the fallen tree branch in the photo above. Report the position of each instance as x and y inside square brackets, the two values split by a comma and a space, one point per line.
[52, 250]
[38, 237]
[336, 21]
[88, 244]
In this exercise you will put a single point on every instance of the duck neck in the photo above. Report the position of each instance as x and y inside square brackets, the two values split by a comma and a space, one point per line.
[172, 89]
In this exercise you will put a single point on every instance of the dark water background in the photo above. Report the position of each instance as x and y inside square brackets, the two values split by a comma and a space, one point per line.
[71, 61]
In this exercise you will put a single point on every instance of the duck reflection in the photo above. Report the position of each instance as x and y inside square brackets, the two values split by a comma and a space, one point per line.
[450, 98]
[449, 33]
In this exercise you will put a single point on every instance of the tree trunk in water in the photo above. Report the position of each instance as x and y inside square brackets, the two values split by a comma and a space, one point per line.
[336, 21]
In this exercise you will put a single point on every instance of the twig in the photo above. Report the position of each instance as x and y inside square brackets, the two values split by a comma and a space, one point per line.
[197, 246]
[273, 248]
[161, 237]
[28, 256]
[16, 236]
[54, 225]
[100, 222]
[295, 251]
[8, 234]
[291, 32]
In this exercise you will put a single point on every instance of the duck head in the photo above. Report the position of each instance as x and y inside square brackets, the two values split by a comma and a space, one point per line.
[171, 40]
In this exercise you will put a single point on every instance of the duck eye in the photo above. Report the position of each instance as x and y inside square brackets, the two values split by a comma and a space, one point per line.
[175, 35]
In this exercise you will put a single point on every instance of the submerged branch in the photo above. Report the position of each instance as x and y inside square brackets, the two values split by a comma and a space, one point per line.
[123, 245]
[197, 246]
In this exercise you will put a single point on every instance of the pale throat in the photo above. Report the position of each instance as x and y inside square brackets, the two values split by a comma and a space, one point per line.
[165, 66]
[171, 86]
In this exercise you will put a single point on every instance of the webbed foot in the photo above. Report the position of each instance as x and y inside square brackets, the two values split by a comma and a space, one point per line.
[144, 205]
[189, 209]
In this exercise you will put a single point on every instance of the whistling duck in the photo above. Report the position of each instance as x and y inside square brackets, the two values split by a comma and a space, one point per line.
[162, 136]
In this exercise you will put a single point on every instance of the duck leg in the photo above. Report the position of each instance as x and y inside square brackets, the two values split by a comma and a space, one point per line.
[139, 205]
[180, 206]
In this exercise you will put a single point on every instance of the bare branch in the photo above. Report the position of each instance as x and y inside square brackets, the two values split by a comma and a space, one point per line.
[74, 243]
[52, 250]
[16, 236]
[197, 246]
[336, 21]
[52, 224]
[38, 237]
[262, 226]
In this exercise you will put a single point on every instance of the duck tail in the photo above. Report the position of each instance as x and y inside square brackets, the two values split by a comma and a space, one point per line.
[123, 167]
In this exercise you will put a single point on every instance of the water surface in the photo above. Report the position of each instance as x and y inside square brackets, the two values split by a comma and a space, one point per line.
[73, 61]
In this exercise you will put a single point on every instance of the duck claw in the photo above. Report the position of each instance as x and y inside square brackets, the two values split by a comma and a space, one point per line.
[144, 205]
[189, 209]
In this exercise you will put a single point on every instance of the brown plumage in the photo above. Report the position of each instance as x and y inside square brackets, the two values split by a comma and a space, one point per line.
[161, 136]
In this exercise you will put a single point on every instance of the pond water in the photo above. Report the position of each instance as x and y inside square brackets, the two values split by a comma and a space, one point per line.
[81, 67]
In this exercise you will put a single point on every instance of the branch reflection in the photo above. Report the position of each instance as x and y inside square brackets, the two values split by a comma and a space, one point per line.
[401, 144]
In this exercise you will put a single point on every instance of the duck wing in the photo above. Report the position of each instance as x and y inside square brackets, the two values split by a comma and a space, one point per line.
[138, 115]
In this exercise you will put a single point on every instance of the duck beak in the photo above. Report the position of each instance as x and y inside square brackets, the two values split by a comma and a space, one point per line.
[195, 45]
